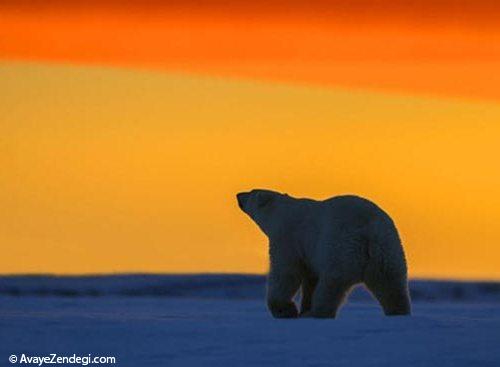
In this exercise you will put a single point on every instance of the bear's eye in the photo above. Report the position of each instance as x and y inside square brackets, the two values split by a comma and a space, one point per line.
[263, 199]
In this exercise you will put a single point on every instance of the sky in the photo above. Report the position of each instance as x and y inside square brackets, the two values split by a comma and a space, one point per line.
[128, 128]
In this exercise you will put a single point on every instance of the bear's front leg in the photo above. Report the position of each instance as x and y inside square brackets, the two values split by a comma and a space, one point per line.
[281, 288]
[328, 297]
[308, 286]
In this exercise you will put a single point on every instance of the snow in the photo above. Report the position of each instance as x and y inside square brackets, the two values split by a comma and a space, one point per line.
[229, 328]
[225, 286]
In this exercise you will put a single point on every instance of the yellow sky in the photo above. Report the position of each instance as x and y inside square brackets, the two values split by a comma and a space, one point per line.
[109, 170]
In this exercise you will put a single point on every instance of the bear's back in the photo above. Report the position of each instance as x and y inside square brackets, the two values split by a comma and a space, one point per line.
[353, 210]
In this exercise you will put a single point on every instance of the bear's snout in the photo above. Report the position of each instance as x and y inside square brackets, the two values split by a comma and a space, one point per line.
[242, 198]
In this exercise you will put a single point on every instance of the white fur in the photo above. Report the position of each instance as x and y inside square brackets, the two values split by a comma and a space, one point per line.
[326, 247]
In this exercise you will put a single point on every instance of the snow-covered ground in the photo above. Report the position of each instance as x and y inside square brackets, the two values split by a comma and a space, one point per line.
[228, 330]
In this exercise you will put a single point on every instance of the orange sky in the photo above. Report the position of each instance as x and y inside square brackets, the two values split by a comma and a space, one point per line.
[125, 126]
[445, 48]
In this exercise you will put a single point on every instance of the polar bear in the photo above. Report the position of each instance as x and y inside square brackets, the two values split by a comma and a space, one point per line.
[325, 248]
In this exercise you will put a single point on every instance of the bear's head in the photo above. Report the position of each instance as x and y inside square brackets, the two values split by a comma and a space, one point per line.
[263, 207]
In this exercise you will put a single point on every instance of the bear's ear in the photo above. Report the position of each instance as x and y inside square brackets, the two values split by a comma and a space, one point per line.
[263, 198]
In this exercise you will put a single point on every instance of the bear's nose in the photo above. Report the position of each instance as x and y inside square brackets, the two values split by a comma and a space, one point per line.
[242, 198]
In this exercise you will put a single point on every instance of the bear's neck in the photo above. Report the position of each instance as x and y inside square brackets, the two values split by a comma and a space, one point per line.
[297, 228]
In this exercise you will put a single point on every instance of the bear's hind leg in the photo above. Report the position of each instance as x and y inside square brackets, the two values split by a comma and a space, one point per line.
[392, 295]
[328, 297]
[281, 289]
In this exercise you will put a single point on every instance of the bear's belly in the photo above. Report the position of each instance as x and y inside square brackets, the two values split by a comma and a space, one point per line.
[344, 255]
